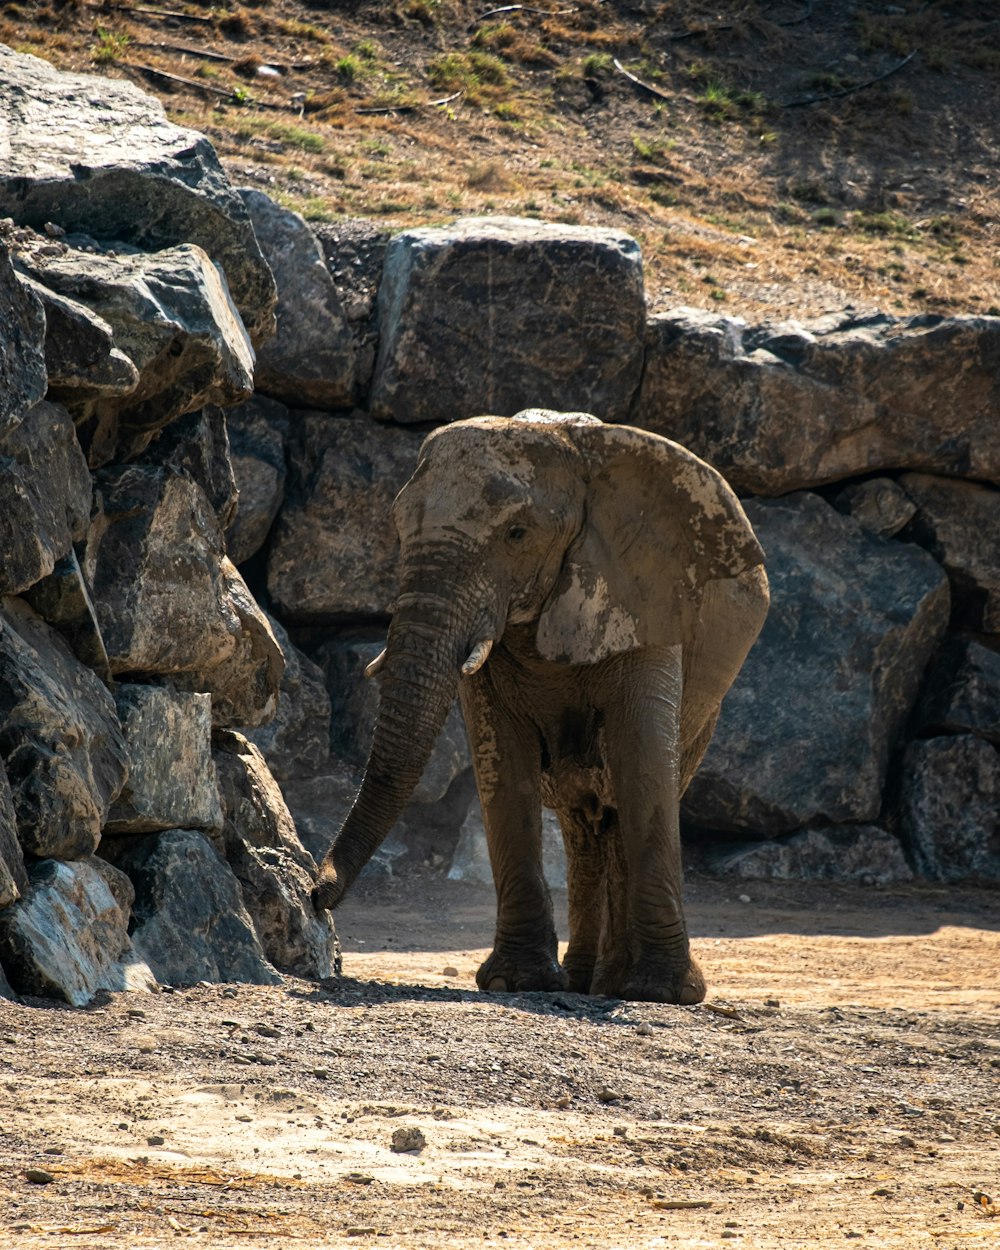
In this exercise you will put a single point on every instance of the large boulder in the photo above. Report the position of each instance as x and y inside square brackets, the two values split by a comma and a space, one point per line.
[354, 248]
[275, 871]
[172, 317]
[60, 739]
[950, 808]
[806, 732]
[63, 600]
[197, 445]
[864, 854]
[499, 314]
[13, 875]
[171, 779]
[169, 600]
[45, 494]
[98, 155]
[310, 360]
[777, 407]
[190, 922]
[257, 432]
[959, 523]
[23, 376]
[68, 936]
[962, 692]
[333, 549]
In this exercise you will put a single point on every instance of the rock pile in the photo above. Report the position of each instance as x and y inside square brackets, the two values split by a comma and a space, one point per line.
[197, 560]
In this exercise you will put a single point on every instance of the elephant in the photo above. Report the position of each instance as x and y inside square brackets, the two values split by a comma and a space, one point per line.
[591, 590]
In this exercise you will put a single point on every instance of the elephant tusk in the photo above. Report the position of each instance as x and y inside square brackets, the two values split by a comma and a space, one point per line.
[478, 656]
[376, 664]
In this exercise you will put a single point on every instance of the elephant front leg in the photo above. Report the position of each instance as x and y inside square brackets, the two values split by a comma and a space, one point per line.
[645, 953]
[506, 756]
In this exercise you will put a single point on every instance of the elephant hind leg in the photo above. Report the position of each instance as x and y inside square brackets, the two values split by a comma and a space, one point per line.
[585, 874]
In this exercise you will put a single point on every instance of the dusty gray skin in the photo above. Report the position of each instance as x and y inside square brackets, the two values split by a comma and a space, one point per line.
[591, 591]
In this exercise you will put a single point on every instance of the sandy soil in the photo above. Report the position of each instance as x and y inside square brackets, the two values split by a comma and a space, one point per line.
[840, 1084]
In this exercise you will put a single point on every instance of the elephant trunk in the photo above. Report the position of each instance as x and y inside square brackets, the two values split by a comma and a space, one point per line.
[429, 642]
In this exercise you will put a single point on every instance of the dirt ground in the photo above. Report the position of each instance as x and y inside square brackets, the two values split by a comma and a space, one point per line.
[840, 1083]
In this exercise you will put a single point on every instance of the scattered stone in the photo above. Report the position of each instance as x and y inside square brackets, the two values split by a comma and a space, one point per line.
[962, 692]
[155, 1140]
[449, 971]
[607, 1094]
[861, 853]
[644, 1029]
[257, 431]
[38, 1176]
[408, 1139]
[879, 505]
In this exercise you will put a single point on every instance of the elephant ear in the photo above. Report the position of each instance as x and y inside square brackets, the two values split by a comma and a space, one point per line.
[660, 526]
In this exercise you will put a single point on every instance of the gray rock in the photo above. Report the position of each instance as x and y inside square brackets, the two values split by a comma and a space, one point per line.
[950, 809]
[6, 989]
[13, 875]
[959, 524]
[60, 739]
[98, 155]
[172, 316]
[296, 741]
[197, 444]
[319, 804]
[471, 858]
[63, 601]
[257, 433]
[806, 731]
[879, 505]
[333, 549]
[68, 936]
[275, 871]
[962, 692]
[779, 407]
[168, 599]
[171, 779]
[190, 920]
[310, 360]
[22, 346]
[863, 854]
[354, 248]
[45, 493]
[498, 314]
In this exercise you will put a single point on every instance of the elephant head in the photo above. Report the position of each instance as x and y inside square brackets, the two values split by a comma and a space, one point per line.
[600, 538]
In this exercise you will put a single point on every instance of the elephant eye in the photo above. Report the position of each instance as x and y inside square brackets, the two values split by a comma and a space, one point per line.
[516, 533]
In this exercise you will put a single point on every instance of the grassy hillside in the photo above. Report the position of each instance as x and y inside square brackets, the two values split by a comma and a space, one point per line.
[777, 159]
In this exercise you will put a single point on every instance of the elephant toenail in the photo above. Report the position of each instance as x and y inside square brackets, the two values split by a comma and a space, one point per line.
[498, 984]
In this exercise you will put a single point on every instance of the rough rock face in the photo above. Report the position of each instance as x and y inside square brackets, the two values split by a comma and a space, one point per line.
[63, 600]
[950, 810]
[190, 920]
[310, 360]
[275, 871]
[22, 346]
[197, 445]
[861, 853]
[776, 407]
[959, 523]
[334, 549]
[60, 740]
[296, 741]
[168, 599]
[355, 254]
[13, 875]
[112, 166]
[45, 492]
[257, 432]
[171, 779]
[806, 731]
[68, 936]
[962, 694]
[878, 504]
[172, 317]
[498, 314]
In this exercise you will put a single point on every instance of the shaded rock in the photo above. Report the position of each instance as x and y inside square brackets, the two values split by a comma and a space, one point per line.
[471, 858]
[776, 407]
[68, 936]
[310, 360]
[275, 871]
[257, 433]
[334, 549]
[172, 316]
[63, 600]
[98, 155]
[962, 692]
[959, 524]
[22, 346]
[879, 505]
[45, 494]
[6, 989]
[60, 739]
[498, 314]
[950, 808]
[168, 599]
[190, 920]
[197, 444]
[171, 778]
[861, 853]
[319, 804]
[355, 255]
[806, 731]
[13, 875]
[296, 741]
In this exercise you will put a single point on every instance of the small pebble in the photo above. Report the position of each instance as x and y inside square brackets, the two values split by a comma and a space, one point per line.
[745, 898]
[620, 1130]
[38, 1176]
[155, 1140]
[408, 1140]
[606, 1094]
[449, 971]
[645, 1029]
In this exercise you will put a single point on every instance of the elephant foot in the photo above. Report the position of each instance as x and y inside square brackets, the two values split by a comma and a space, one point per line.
[506, 973]
[654, 982]
[579, 974]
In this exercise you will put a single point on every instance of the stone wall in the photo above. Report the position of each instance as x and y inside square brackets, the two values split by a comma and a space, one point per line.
[206, 408]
